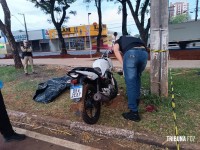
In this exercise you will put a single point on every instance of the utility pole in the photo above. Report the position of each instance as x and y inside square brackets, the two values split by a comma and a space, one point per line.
[89, 35]
[159, 47]
[25, 26]
[197, 9]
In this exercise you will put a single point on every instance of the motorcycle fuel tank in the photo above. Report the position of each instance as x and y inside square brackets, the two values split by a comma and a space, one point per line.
[103, 64]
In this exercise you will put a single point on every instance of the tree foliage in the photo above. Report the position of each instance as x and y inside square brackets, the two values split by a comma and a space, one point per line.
[179, 18]
[6, 29]
[52, 7]
[122, 8]
[140, 13]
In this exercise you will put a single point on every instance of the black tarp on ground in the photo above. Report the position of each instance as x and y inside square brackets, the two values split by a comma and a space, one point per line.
[49, 90]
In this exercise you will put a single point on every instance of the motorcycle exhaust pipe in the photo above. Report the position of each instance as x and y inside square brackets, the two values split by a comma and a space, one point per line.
[100, 97]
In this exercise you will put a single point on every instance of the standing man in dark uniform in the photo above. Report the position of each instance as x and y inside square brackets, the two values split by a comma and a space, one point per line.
[5, 126]
[132, 54]
[27, 56]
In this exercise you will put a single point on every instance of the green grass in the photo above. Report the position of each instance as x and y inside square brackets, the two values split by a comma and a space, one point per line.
[19, 90]
[26, 85]
[187, 98]
[8, 74]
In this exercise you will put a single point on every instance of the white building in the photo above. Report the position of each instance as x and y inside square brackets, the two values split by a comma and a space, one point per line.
[38, 39]
[179, 7]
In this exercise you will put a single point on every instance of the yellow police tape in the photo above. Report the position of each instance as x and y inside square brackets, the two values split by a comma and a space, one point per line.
[173, 111]
[172, 101]
[159, 51]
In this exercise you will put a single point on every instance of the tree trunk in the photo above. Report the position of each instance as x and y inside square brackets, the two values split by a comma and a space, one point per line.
[62, 41]
[144, 37]
[13, 45]
[6, 29]
[124, 18]
[100, 26]
[58, 25]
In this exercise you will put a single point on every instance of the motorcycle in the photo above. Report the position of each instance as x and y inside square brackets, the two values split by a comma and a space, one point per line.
[92, 86]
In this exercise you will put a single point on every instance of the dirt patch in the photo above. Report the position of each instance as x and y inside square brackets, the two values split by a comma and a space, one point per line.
[9, 56]
[174, 55]
[188, 54]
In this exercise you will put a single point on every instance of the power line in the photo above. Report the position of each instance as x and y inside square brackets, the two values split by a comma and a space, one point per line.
[110, 24]
[18, 20]
[78, 5]
[121, 26]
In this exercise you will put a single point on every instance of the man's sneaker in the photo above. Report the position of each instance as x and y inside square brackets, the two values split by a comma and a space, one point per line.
[134, 116]
[26, 74]
[15, 137]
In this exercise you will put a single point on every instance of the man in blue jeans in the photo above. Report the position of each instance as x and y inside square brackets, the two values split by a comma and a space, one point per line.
[132, 54]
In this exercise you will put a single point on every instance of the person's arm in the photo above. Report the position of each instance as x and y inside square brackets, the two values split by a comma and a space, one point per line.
[29, 49]
[117, 53]
[23, 49]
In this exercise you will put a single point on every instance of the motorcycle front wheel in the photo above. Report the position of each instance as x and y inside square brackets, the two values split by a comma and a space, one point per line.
[91, 108]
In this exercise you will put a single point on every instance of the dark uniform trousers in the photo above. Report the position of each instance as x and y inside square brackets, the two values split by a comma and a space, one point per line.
[5, 125]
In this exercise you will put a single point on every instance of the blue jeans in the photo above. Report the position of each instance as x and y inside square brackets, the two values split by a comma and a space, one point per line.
[134, 63]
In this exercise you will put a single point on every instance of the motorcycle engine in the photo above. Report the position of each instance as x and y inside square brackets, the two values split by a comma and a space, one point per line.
[107, 91]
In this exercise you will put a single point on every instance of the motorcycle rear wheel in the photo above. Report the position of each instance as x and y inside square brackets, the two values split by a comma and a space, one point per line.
[115, 91]
[91, 108]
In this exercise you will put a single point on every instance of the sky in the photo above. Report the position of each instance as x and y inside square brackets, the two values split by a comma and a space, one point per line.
[36, 19]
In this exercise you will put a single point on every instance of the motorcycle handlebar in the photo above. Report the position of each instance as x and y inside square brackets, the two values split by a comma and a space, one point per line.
[106, 53]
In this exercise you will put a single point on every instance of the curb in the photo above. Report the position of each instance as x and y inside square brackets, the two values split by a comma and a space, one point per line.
[104, 131]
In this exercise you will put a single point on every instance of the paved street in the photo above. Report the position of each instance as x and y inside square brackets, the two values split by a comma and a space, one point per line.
[29, 144]
[88, 62]
[87, 52]
[71, 52]
[37, 141]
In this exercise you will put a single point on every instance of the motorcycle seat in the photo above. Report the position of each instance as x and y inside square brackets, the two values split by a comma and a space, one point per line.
[90, 69]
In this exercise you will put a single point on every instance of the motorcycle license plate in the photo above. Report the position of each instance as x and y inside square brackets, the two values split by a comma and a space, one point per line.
[76, 91]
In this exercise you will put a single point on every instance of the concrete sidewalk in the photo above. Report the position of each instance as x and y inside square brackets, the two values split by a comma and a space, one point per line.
[38, 141]
[100, 130]
[88, 62]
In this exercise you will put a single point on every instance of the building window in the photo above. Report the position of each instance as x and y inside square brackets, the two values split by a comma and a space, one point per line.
[68, 30]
